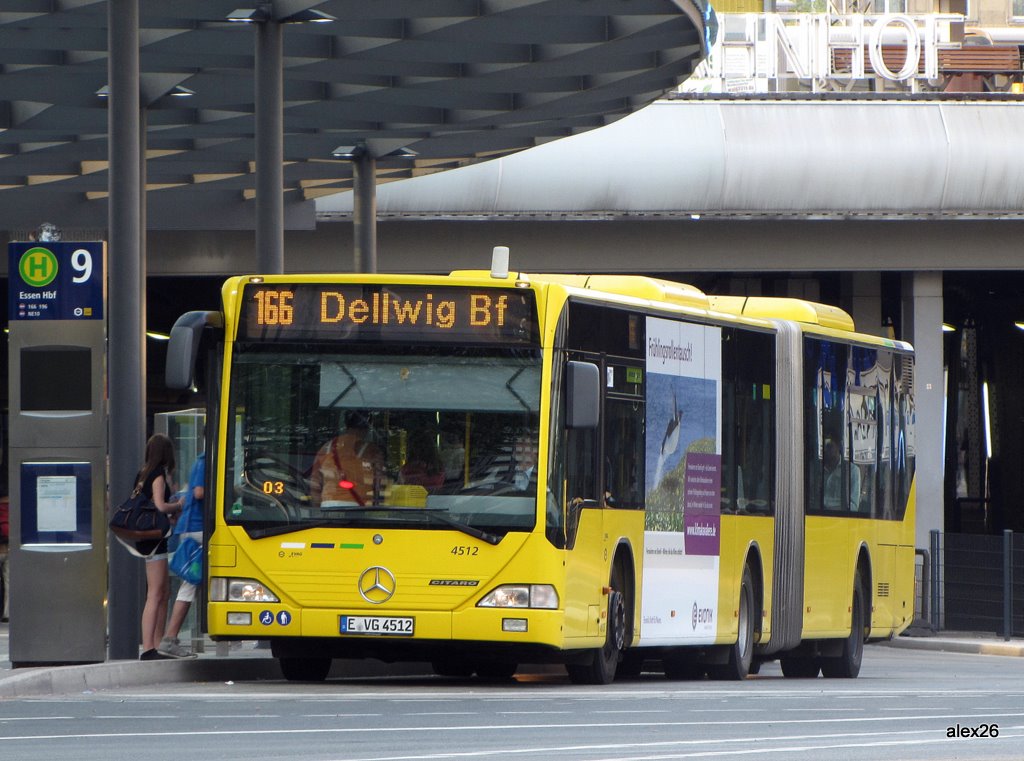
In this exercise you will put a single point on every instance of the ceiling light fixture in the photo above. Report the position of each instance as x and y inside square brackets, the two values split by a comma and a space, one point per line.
[309, 17]
[349, 152]
[248, 15]
[265, 13]
[178, 91]
[358, 150]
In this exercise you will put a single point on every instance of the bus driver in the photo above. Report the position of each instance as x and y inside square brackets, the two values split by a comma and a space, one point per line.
[346, 470]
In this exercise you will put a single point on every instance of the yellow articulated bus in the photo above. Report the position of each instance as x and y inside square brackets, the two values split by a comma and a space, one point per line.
[485, 469]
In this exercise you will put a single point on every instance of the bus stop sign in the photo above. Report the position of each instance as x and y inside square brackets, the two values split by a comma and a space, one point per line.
[55, 281]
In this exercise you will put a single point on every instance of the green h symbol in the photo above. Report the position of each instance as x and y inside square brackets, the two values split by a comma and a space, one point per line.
[38, 267]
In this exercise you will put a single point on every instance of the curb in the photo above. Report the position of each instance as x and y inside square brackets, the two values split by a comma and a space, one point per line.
[1014, 649]
[62, 680]
[114, 674]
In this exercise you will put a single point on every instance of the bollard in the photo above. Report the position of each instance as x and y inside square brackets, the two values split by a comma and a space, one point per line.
[935, 552]
[926, 585]
[1007, 584]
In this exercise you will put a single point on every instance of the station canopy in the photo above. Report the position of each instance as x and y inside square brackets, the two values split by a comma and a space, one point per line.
[423, 86]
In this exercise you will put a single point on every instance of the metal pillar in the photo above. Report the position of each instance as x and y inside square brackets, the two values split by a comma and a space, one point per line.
[126, 321]
[364, 211]
[269, 148]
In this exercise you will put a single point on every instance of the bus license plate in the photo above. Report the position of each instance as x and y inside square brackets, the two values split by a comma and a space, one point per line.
[383, 625]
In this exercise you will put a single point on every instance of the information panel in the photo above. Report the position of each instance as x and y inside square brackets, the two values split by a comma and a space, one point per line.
[55, 281]
[393, 313]
[56, 503]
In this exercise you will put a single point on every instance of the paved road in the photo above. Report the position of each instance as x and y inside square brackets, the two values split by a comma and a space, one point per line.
[903, 707]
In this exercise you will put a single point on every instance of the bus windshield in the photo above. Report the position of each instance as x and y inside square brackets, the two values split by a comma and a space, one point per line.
[423, 438]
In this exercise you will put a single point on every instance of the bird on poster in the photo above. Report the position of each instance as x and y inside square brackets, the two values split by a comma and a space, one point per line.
[670, 442]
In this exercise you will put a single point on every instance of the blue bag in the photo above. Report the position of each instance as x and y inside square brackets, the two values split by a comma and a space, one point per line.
[187, 561]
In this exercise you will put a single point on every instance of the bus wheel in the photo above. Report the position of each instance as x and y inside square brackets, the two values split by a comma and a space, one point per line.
[305, 669]
[846, 665]
[741, 653]
[800, 668]
[604, 661]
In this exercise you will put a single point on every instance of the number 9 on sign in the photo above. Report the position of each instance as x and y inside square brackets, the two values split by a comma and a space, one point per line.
[81, 263]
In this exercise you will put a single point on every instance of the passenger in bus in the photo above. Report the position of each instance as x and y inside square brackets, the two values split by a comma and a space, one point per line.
[855, 488]
[524, 454]
[453, 456]
[833, 462]
[347, 469]
[423, 465]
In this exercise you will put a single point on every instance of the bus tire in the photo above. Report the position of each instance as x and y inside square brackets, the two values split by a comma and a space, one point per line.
[741, 652]
[799, 668]
[604, 661]
[846, 665]
[305, 669]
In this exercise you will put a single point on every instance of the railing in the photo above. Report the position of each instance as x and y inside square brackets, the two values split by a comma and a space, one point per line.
[973, 582]
[1003, 59]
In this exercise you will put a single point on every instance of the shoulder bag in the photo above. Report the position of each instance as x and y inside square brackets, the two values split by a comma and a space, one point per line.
[187, 561]
[137, 520]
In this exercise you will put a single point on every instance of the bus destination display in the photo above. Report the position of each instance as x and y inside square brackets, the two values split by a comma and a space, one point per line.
[409, 313]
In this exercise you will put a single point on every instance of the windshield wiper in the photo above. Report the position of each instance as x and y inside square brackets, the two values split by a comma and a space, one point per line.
[465, 528]
[428, 512]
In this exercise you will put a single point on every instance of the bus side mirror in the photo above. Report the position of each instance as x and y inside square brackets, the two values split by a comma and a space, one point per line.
[183, 348]
[583, 395]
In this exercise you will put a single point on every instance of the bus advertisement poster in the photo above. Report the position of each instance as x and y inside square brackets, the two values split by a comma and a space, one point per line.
[682, 542]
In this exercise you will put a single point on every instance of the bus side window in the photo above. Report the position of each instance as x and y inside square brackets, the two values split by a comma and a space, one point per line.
[581, 466]
[827, 446]
[748, 430]
[624, 454]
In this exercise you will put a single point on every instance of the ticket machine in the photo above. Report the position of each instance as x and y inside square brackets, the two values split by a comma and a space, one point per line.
[58, 445]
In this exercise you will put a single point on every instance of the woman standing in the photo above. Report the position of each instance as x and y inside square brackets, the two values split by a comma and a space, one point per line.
[155, 480]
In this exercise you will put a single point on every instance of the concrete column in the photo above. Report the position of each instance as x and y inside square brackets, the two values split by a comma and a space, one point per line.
[866, 302]
[922, 303]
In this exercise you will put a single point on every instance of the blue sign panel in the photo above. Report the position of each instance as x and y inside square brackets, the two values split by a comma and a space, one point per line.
[55, 281]
[56, 503]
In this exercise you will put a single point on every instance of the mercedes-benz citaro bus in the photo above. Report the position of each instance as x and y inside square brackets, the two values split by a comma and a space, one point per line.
[490, 468]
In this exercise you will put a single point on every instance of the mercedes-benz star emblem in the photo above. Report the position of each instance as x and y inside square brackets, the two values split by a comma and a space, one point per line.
[377, 585]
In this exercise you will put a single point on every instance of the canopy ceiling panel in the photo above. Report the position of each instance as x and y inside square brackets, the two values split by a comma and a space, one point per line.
[450, 82]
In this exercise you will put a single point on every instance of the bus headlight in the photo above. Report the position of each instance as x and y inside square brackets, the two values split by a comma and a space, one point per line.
[521, 596]
[240, 590]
